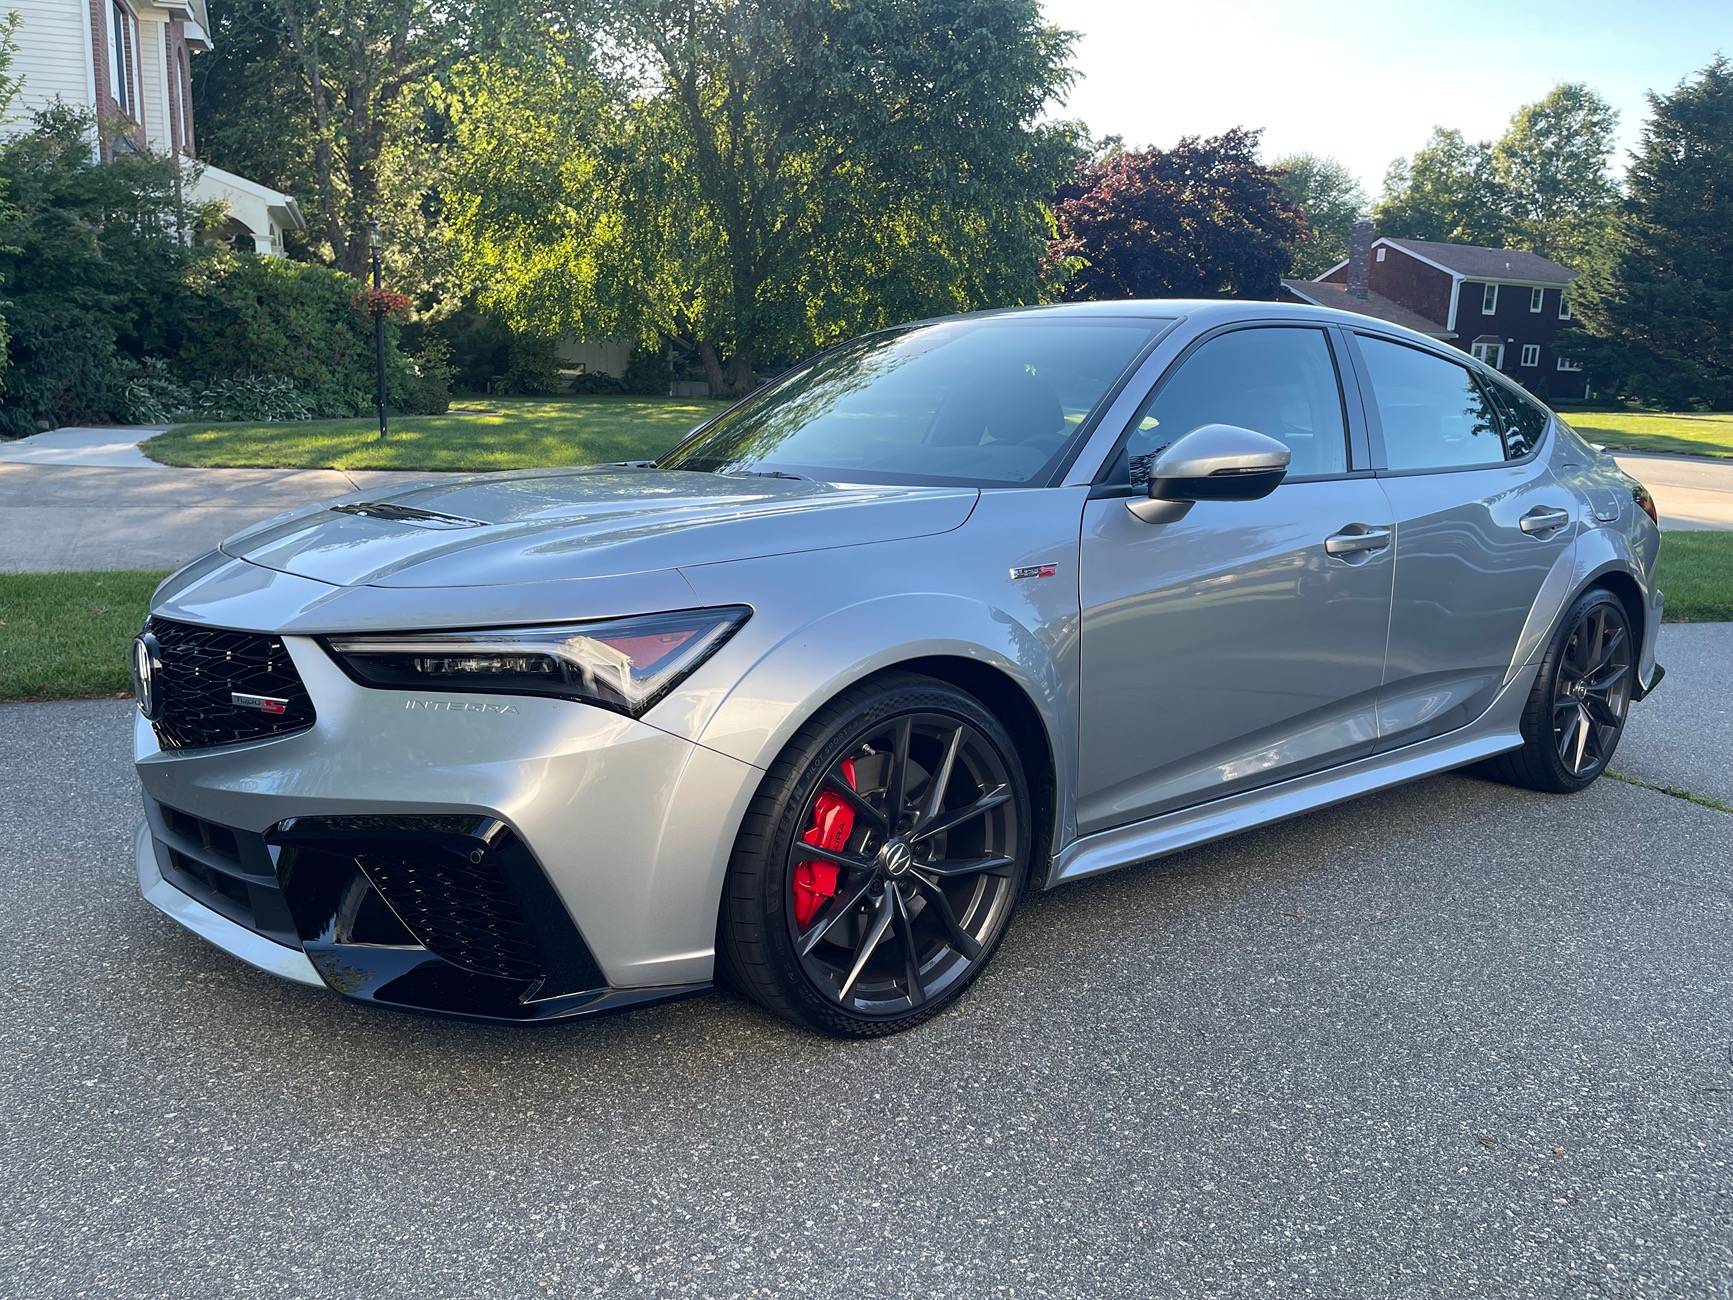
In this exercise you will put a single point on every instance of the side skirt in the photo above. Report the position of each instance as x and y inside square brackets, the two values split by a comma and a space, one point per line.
[1494, 732]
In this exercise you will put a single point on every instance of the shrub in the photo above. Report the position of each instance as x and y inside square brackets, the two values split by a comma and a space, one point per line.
[151, 393]
[428, 388]
[649, 371]
[265, 317]
[256, 400]
[596, 382]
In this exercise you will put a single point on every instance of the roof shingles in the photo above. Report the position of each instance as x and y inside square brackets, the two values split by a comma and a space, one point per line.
[1325, 294]
[1477, 263]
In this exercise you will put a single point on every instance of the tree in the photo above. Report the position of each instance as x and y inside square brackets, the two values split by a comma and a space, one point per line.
[1552, 172]
[753, 177]
[1330, 198]
[1202, 219]
[1449, 190]
[1664, 302]
[314, 95]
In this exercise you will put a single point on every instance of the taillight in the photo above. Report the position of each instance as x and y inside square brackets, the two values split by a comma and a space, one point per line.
[1646, 503]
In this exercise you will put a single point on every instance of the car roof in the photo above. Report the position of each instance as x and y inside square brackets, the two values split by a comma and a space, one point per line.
[1202, 313]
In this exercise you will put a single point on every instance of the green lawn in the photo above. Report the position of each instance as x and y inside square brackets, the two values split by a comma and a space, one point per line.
[485, 433]
[1696, 573]
[1696, 435]
[66, 635]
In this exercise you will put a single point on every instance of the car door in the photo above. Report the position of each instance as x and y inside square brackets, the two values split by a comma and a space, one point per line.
[1233, 647]
[1480, 522]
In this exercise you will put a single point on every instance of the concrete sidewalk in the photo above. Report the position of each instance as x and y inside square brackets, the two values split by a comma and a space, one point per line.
[55, 518]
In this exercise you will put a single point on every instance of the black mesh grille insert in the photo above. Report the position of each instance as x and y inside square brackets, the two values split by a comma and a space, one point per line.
[460, 910]
[203, 668]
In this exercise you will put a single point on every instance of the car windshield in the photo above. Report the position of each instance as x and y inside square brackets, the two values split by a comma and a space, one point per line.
[988, 402]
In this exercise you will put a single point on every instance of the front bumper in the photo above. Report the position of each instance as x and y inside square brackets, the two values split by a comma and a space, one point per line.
[611, 837]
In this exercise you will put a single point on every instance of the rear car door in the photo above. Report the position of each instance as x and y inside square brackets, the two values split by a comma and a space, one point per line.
[1480, 522]
[1244, 642]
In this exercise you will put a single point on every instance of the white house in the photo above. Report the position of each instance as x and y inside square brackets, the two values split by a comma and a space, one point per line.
[129, 62]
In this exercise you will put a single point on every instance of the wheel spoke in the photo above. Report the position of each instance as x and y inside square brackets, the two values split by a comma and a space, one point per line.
[998, 866]
[941, 779]
[801, 851]
[1568, 735]
[1609, 648]
[911, 957]
[834, 911]
[1600, 710]
[869, 945]
[834, 780]
[961, 939]
[988, 801]
[1605, 678]
[1582, 739]
[896, 780]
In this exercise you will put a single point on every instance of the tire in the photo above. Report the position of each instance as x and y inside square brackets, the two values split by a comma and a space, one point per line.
[821, 872]
[1581, 697]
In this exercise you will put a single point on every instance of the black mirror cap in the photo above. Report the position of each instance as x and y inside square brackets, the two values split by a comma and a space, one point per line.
[1223, 485]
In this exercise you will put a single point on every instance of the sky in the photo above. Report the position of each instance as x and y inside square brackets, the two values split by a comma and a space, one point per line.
[1367, 82]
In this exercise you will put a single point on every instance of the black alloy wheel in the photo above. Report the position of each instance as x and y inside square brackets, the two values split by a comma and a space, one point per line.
[1581, 696]
[899, 851]
[1592, 689]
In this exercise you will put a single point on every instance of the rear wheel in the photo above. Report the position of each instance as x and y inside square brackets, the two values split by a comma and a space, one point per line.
[880, 862]
[1576, 711]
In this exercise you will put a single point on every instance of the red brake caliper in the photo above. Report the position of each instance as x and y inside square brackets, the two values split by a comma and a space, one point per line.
[832, 824]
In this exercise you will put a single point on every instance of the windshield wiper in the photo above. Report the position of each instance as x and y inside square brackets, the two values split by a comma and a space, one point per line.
[764, 473]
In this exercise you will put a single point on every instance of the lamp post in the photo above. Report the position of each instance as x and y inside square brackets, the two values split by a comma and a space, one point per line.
[374, 243]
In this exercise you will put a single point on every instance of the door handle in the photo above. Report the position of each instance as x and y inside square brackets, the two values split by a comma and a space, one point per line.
[1356, 539]
[1544, 519]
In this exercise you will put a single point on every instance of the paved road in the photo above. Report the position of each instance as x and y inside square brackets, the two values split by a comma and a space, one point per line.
[1453, 1040]
[1691, 491]
[89, 499]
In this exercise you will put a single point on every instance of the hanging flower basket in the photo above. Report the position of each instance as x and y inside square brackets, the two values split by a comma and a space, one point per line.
[382, 302]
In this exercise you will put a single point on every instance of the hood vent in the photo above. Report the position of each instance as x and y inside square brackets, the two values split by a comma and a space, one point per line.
[407, 515]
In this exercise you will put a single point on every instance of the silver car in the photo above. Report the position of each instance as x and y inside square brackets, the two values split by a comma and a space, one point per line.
[950, 613]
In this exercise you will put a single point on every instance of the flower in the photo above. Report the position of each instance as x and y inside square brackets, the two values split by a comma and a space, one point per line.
[382, 302]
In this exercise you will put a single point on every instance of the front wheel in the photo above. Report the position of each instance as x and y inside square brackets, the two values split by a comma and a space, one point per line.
[878, 866]
[1577, 708]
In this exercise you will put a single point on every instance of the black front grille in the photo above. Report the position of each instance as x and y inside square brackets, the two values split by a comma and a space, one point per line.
[460, 910]
[204, 668]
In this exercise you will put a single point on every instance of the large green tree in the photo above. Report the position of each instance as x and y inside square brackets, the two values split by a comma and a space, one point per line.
[1330, 198]
[1449, 190]
[1552, 171]
[754, 177]
[1662, 306]
[1202, 219]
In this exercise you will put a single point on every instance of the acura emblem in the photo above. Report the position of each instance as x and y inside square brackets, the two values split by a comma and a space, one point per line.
[146, 660]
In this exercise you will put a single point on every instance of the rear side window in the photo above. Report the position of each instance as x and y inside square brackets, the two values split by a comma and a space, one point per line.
[1278, 381]
[1434, 412]
[1524, 421]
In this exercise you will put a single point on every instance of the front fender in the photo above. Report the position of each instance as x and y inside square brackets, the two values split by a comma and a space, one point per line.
[929, 597]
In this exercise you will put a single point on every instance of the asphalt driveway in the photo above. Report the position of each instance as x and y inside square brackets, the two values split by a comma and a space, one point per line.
[1453, 1040]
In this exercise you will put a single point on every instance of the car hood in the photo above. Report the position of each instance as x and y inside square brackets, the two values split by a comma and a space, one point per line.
[537, 526]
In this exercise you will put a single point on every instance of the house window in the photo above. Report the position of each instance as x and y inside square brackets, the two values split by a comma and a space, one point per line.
[1536, 299]
[1568, 366]
[1531, 354]
[1490, 353]
[1489, 300]
[1564, 308]
[123, 58]
[1381, 252]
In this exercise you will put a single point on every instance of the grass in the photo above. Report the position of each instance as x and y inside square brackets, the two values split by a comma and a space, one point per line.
[1696, 573]
[65, 635]
[479, 434]
[1690, 434]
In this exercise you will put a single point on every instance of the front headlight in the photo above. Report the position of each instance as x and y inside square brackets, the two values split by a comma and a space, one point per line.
[624, 664]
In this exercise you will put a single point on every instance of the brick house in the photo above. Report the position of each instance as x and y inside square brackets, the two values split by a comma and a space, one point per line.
[1505, 306]
[129, 63]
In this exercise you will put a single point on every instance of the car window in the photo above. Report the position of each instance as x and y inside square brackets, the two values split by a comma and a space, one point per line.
[1524, 419]
[1279, 381]
[1434, 412]
[987, 401]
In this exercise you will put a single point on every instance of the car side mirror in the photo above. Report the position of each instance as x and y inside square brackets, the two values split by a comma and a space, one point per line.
[1214, 462]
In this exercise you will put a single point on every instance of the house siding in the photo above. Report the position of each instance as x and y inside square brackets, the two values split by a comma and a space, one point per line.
[52, 58]
[1515, 325]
